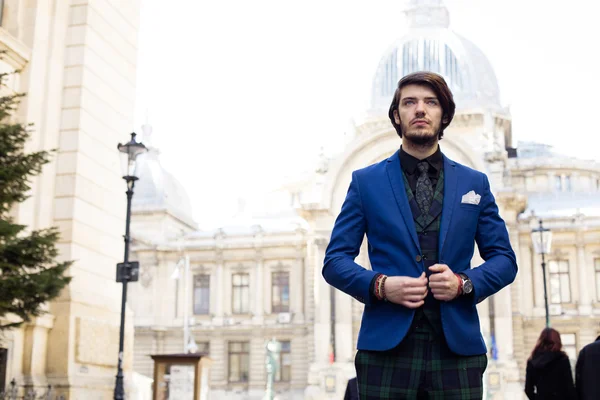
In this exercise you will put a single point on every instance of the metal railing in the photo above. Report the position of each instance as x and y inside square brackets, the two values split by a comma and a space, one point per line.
[14, 392]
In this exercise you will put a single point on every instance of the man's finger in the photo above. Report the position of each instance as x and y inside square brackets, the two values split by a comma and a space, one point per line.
[416, 282]
[438, 268]
[414, 298]
[411, 304]
[441, 277]
[415, 289]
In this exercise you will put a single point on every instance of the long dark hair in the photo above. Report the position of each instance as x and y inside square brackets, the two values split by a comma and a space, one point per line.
[549, 340]
[436, 83]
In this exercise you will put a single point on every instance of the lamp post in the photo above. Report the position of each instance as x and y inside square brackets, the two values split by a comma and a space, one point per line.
[542, 242]
[127, 271]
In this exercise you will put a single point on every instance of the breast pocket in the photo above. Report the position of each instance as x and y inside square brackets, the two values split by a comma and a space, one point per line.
[470, 207]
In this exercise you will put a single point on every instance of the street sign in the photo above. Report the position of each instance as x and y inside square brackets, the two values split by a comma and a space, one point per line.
[129, 272]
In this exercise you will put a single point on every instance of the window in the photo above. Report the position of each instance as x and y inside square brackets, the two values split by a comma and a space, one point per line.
[239, 361]
[280, 299]
[597, 270]
[201, 294]
[558, 183]
[569, 342]
[568, 183]
[240, 293]
[284, 372]
[560, 287]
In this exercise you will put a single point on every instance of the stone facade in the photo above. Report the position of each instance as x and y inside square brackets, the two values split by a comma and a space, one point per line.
[78, 61]
[262, 273]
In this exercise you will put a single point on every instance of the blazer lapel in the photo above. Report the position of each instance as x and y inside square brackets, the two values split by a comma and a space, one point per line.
[450, 183]
[412, 202]
[394, 172]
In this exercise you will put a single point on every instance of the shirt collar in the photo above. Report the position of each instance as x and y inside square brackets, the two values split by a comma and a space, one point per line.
[409, 163]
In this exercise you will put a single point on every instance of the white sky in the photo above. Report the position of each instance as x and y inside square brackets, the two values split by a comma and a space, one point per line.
[243, 93]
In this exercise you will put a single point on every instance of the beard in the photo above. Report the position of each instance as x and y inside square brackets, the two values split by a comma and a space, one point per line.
[421, 138]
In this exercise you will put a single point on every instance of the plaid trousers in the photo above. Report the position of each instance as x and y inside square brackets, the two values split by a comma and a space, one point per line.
[420, 367]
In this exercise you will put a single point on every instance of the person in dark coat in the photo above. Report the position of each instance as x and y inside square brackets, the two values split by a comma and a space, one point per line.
[351, 390]
[548, 373]
[587, 371]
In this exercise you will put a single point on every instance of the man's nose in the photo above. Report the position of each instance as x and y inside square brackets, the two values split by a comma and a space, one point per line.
[420, 109]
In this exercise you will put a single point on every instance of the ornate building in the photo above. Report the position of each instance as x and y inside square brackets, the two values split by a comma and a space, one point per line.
[260, 276]
[77, 62]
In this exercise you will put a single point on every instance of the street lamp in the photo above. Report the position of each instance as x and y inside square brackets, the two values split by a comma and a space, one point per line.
[127, 271]
[542, 242]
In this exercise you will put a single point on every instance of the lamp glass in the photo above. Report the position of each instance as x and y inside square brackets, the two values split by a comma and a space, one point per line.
[542, 242]
[129, 153]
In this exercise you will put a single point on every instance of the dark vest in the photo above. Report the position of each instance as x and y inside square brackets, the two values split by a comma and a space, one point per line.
[428, 233]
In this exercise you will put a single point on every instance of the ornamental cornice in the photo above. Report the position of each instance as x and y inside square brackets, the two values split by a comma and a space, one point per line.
[510, 200]
[17, 54]
[551, 164]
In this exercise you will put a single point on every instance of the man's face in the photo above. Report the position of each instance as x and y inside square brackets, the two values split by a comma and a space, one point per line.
[419, 115]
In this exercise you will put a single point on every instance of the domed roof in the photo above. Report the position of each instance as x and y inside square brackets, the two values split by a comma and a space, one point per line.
[157, 189]
[430, 46]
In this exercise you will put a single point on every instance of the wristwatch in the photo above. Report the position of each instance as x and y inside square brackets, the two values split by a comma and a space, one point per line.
[467, 287]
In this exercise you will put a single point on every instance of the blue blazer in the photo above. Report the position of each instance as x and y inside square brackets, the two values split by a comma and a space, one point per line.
[376, 205]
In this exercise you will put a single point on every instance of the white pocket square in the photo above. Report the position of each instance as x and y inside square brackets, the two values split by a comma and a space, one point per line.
[471, 198]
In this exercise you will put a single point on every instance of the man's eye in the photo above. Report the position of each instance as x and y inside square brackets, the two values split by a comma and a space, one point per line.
[432, 103]
[409, 102]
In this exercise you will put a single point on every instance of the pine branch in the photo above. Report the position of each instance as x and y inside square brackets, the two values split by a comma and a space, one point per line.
[30, 274]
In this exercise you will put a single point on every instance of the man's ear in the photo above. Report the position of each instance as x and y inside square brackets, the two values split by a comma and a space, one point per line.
[445, 119]
[396, 117]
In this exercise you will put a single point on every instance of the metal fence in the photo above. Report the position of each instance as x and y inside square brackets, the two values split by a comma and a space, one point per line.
[14, 392]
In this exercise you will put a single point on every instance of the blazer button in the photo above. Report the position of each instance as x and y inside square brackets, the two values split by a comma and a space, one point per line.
[418, 258]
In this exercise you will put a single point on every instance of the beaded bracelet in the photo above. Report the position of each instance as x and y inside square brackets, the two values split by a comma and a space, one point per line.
[383, 288]
[380, 287]
[460, 285]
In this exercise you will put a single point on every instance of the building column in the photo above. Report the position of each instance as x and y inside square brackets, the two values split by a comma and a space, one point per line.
[503, 324]
[344, 339]
[216, 294]
[503, 373]
[34, 354]
[297, 289]
[259, 298]
[322, 306]
[585, 299]
[526, 276]
[258, 373]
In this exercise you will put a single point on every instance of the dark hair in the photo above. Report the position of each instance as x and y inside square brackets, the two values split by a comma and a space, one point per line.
[549, 340]
[436, 83]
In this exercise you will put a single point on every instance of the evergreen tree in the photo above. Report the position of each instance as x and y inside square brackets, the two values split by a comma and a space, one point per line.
[29, 272]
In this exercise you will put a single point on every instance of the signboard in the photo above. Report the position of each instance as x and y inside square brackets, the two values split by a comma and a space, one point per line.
[181, 382]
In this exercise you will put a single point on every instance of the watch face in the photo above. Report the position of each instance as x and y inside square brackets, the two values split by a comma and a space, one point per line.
[467, 287]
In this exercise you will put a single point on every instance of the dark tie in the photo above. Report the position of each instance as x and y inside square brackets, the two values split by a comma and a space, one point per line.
[424, 193]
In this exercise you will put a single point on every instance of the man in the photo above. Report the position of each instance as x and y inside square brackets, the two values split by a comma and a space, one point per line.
[422, 213]
[587, 372]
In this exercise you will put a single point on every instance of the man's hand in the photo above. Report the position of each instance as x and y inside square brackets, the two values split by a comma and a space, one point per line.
[443, 283]
[406, 291]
